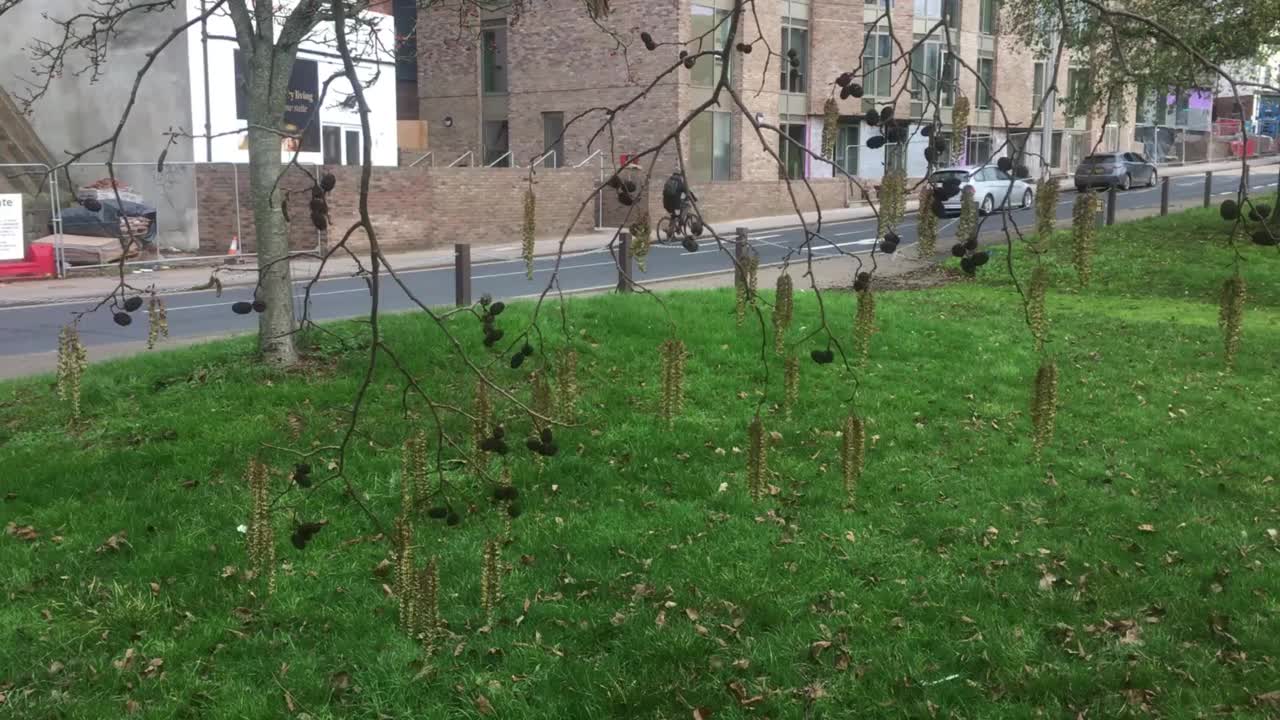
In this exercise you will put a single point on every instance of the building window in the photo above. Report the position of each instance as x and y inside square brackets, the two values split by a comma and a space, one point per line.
[932, 68]
[710, 28]
[496, 143]
[1077, 98]
[1037, 84]
[341, 146]
[553, 139]
[876, 66]
[935, 9]
[847, 145]
[493, 62]
[332, 141]
[791, 150]
[795, 36]
[895, 158]
[978, 149]
[352, 147]
[986, 81]
[988, 14]
[709, 147]
[884, 4]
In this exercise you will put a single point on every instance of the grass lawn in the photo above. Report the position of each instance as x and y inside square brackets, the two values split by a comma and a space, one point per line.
[1136, 571]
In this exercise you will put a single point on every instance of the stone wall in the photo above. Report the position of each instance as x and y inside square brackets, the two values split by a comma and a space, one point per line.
[412, 208]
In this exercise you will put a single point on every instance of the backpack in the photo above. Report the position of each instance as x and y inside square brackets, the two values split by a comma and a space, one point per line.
[671, 193]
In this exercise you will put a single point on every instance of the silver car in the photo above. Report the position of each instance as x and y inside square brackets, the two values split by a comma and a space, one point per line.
[992, 188]
[1120, 169]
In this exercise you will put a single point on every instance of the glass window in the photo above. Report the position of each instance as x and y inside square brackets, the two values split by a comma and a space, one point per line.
[553, 139]
[847, 145]
[710, 29]
[1077, 92]
[794, 38]
[929, 8]
[496, 143]
[709, 147]
[791, 150]
[353, 147]
[895, 158]
[1037, 83]
[493, 48]
[986, 81]
[931, 67]
[876, 67]
[988, 13]
[332, 142]
[879, 3]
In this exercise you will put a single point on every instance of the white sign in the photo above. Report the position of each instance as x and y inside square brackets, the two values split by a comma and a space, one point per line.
[11, 228]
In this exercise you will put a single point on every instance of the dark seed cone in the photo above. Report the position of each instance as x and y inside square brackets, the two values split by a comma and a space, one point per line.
[1044, 405]
[852, 444]
[757, 459]
[1231, 317]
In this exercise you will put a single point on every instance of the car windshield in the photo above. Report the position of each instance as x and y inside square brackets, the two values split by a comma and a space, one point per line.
[945, 175]
[1099, 159]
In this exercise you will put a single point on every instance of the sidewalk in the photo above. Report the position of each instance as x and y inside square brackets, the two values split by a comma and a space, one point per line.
[178, 278]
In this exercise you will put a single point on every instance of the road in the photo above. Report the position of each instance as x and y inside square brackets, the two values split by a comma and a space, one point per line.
[32, 329]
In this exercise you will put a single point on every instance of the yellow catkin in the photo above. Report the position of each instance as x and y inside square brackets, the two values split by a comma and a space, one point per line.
[527, 231]
[1231, 317]
[927, 226]
[967, 224]
[864, 325]
[1084, 231]
[260, 531]
[481, 415]
[893, 201]
[791, 383]
[1037, 320]
[852, 446]
[1044, 405]
[672, 357]
[414, 485]
[427, 613]
[830, 127]
[641, 239]
[1046, 211]
[567, 388]
[541, 401]
[783, 311]
[157, 321]
[757, 459]
[406, 587]
[72, 360]
[491, 578]
[745, 286]
[959, 124]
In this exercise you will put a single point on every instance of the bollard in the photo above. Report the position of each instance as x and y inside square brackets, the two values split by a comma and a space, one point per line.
[1208, 188]
[624, 262]
[462, 274]
[740, 256]
[1164, 196]
[1111, 205]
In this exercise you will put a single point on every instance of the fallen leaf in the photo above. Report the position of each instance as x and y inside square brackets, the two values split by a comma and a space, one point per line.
[155, 588]
[125, 662]
[701, 713]
[618, 618]
[1047, 580]
[340, 681]
[153, 667]
[701, 630]
[115, 542]
[661, 620]
[740, 692]
[55, 667]
[742, 663]
[483, 706]
[22, 532]
[1268, 698]
[816, 648]
[132, 706]
[693, 614]
[850, 536]
[1147, 527]
[288, 702]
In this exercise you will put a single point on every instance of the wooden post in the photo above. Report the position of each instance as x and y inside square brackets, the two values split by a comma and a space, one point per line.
[740, 256]
[1164, 196]
[1111, 205]
[462, 274]
[1208, 188]
[624, 262]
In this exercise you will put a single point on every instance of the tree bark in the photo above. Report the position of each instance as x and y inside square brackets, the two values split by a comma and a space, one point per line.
[268, 73]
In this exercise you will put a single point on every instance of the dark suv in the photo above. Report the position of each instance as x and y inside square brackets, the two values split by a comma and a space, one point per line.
[1119, 169]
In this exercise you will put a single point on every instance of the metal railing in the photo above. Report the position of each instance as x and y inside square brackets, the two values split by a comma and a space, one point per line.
[504, 156]
[469, 156]
[597, 155]
[429, 156]
[548, 154]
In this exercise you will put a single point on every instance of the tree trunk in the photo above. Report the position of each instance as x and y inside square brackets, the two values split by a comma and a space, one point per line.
[266, 103]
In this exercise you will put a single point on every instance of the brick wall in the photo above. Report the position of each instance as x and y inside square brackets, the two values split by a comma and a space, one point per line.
[736, 200]
[411, 208]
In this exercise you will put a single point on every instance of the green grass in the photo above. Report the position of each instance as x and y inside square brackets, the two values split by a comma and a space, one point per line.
[929, 589]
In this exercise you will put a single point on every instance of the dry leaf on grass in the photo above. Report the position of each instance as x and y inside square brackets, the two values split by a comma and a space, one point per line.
[483, 706]
[22, 532]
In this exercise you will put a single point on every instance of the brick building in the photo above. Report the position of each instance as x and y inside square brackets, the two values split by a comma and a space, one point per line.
[504, 87]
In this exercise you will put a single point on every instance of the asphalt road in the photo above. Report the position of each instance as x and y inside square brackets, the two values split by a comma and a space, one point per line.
[26, 330]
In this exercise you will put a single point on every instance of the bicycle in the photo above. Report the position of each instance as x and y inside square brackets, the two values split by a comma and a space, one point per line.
[682, 224]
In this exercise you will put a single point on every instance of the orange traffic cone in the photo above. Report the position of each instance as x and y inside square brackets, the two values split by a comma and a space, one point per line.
[233, 252]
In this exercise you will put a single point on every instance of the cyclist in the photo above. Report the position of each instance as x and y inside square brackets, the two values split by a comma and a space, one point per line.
[676, 198]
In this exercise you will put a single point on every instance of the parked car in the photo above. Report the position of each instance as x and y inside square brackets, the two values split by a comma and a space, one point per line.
[1119, 169]
[992, 188]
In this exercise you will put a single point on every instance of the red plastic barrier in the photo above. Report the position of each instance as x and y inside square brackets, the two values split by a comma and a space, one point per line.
[37, 264]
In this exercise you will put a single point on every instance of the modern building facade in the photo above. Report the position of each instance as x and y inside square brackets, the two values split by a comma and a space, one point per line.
[505, 87]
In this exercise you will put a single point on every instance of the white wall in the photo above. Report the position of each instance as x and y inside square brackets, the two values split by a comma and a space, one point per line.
[376, 66]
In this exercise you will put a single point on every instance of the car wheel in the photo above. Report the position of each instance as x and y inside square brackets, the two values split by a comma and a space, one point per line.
[1155, 178]
[1126, 182]
[1026, 199]
[988, 204]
